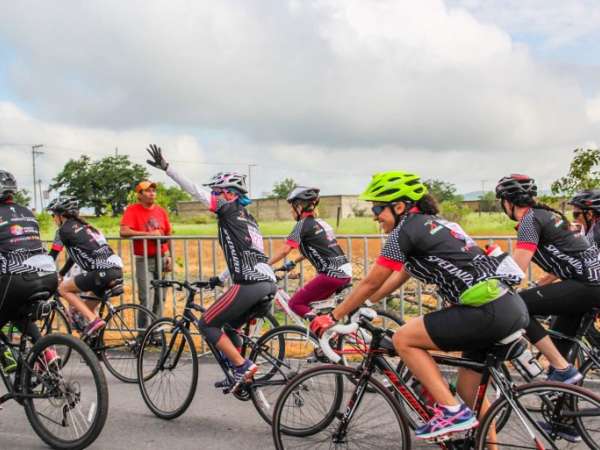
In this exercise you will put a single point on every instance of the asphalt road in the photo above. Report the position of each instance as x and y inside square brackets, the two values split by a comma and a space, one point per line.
[213, 421]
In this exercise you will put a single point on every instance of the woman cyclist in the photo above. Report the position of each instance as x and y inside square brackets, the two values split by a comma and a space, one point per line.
[586, 212]
[87, 247]
[247, 266]
[316, 241]
[544, 237]
[422, 245]
[25, 268]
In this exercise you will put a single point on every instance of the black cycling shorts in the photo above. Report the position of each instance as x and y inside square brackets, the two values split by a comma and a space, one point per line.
[470, 328]
[15, 289]
[97, 281]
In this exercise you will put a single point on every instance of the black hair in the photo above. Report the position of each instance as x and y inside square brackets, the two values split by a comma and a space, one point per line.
[532, 203]
[428, 205]
[306, 205]
[75, 216]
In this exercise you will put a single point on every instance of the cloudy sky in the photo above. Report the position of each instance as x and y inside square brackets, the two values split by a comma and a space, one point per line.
[326, 92]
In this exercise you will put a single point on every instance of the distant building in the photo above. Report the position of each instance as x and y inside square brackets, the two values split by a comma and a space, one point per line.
[272, 209]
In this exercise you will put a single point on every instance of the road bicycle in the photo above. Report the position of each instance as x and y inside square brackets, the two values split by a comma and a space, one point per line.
[65, 403]
[332, 406]
[168, 359]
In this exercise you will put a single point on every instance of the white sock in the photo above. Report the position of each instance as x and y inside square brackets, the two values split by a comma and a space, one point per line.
[452, 408]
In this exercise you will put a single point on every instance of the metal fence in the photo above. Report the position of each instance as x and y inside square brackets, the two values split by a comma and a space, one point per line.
[199, 257]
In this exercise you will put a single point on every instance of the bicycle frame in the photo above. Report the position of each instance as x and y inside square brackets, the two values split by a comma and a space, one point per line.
[491, 370]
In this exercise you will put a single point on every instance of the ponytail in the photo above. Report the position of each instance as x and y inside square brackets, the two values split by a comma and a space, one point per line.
[545, 207]
[75, 216]
[428, 205]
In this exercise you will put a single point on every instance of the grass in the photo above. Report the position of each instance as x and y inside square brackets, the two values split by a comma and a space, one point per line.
[475, 225]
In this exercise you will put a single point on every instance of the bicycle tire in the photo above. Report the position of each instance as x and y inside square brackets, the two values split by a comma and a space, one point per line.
[302, 384]
[128, 340]
[167, 331]
[283, 367]
[32, 380]
[546, 393]
[258, 329]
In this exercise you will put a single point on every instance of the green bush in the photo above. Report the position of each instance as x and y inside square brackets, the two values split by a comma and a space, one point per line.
[454, 211]
[45, 221]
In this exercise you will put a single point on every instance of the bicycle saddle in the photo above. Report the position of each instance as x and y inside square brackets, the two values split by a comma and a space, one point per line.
[115, 288]
[509, 347]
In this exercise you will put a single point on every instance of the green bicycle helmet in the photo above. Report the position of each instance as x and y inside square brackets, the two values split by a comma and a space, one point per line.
[394, 185]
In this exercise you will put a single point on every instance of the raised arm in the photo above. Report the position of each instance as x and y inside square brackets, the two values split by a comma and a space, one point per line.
[157, 160]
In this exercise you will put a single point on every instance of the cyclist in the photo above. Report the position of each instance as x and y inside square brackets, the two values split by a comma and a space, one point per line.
[544, 236]
[87, 247]
[25, 268]
[422, 245]
[247, 266]
[586, 212]
[316, 241]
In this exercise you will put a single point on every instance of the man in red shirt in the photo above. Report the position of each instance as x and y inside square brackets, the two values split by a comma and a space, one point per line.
[146, 218]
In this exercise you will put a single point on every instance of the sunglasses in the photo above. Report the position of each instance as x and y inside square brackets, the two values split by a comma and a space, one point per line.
[378, 209]
[217, 191]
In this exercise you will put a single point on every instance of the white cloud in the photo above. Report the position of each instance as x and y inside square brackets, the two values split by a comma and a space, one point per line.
[326, 92]
[324, 73]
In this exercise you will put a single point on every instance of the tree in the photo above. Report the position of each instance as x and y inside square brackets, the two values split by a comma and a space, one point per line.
[167, 197]
[282, 189]
[442, 190]
[487, 202]
[22, 197]
[98, 184]
[581, 173]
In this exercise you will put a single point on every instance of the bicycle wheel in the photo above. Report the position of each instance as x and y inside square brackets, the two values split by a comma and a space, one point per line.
[167, 368]
[70, 401]
[591, 375]
[309, 413]
[258, 327]
[559, 411]
[280, 355]
[119, 342]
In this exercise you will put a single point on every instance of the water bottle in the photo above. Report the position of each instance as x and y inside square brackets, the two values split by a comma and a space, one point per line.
[527, 365]
[493, 250]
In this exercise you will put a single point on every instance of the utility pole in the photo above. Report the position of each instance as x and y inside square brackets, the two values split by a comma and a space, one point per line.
[41, 195]
[250, 166]
[35, 152]
[116, 151]
[482, 194]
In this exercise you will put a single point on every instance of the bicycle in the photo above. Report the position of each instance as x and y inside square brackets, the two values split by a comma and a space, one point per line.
[585, 352]
[320, 409]
[168, 358]
[66, 404]
[118, 343]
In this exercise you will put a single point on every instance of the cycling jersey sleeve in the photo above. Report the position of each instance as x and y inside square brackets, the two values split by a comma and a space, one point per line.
[192, 188]
[57, 245]
[397, 246]
[528, 236]
[68, 264]
[295, 237]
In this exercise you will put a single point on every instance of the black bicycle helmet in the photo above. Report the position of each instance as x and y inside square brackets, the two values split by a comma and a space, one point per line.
[587, 200]
[516, 188]
[8, 184]
[64, 204]
[303, 193]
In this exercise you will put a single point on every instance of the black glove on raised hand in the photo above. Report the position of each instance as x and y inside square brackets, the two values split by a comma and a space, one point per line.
[157, 160]
[214, 281]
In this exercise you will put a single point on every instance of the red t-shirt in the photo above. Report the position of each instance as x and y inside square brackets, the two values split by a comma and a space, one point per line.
[139, 218]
